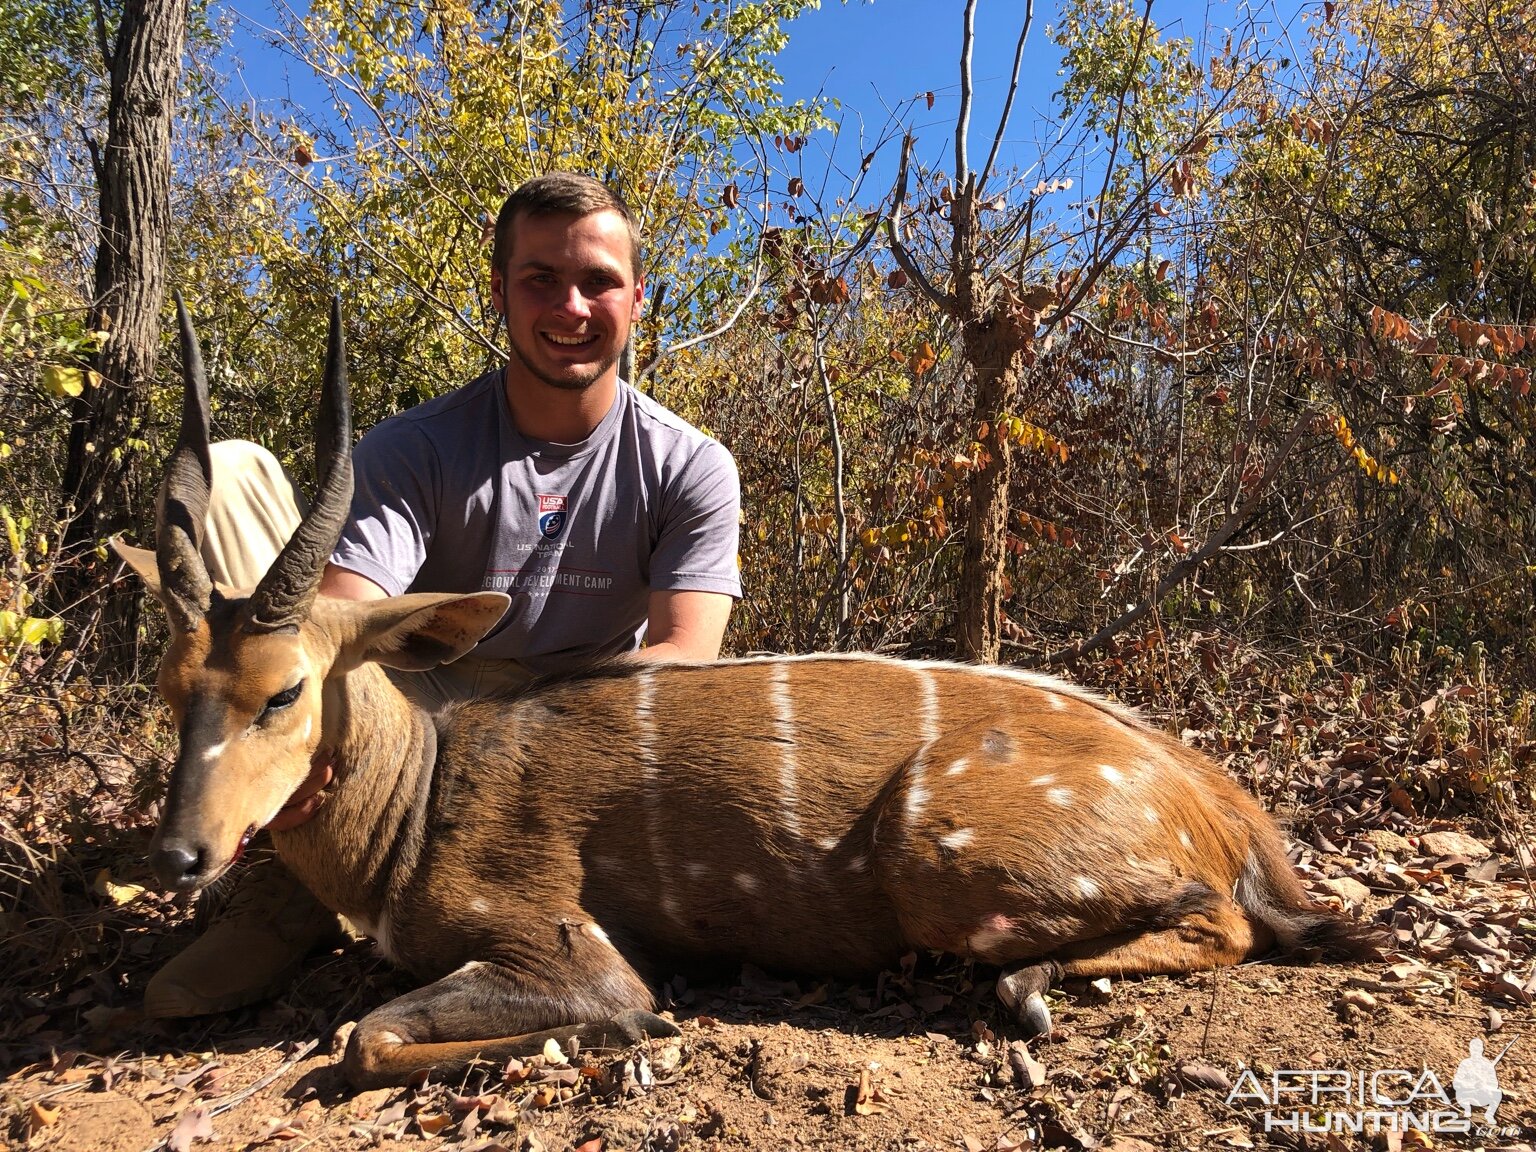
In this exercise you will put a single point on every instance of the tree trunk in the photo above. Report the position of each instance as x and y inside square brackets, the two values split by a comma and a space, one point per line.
[994, 360]
[102, 489]
[979, 626]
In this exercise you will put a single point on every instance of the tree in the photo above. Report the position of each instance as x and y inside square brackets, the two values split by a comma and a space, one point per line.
[1007, 276]
[133, 170]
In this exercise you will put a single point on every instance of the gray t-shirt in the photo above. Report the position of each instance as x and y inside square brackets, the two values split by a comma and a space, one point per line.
[451, 497]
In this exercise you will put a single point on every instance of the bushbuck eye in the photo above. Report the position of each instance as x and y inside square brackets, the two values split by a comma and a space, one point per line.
[284, 698]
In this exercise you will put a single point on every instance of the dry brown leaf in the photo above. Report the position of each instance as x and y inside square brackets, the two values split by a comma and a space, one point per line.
[431, 1123]
[40, 1116]
[279, 1129]
[1197, 1075]
[1027, 1071]
[869, 1100]
[195, 1124]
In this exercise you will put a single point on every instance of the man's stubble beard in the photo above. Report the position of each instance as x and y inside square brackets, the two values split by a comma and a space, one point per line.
[565, 384]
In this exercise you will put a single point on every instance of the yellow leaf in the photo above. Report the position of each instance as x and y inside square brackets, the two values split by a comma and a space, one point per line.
[432, 1123]
[61, 380]
[119, 894]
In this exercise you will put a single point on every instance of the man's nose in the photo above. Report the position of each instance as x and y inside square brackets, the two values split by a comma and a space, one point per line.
[574, 301]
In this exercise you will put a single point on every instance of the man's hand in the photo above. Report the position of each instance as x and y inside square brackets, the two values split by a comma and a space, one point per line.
[685, 626]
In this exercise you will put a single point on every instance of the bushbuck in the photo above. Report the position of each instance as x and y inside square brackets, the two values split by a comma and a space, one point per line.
[537, 857]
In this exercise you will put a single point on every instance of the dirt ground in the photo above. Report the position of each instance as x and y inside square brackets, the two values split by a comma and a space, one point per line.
[920, 1058]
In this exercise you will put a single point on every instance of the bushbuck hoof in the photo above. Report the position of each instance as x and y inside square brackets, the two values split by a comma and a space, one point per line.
[636, 1025]
[1022, 991]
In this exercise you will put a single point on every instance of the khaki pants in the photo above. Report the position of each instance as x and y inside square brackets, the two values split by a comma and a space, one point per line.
[253, 508]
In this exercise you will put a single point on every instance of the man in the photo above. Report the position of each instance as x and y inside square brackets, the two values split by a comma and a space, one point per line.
[608, 520]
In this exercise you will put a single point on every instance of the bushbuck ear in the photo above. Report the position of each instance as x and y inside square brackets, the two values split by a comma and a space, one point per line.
[422, 630]
[142, 561]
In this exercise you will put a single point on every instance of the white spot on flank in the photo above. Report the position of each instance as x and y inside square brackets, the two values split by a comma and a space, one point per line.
[989, 940]
[746, 882]
[1086, 888]
[1111, 773]
[1150, 813]
[1061, 797]
[214, 751]
[1055, 701]
[596, 932]
[1184, 840]
[958, 839]
[827, 844]
[1042, 781]
[957, 767]
[784, 733]
[479, 905]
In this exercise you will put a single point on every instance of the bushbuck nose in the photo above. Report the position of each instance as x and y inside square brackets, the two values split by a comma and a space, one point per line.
[178, 865]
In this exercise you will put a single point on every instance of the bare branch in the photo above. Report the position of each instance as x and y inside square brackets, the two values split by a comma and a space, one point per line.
[1013, 90]
[702, 337]
[1191, 354]
[101, 38]
[893, 230]
[963, 121]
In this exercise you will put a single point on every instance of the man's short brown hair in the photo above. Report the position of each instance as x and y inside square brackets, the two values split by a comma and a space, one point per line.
[560, 194]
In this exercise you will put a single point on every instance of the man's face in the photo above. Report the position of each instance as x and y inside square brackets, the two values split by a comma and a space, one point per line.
[569, 297]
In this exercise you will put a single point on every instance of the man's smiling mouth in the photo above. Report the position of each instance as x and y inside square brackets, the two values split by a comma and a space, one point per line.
[569, 341]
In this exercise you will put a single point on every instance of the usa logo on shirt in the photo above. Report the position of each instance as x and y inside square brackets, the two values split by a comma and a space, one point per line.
[551, 516]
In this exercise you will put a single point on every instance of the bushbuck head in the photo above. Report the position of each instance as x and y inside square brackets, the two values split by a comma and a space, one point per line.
[246, 670]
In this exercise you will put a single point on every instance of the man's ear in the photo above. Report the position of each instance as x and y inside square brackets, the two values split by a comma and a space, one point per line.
[499, 291]
[142, 561]
[416, 632]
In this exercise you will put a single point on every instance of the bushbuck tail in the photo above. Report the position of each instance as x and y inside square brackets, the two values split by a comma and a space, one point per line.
[539, 857]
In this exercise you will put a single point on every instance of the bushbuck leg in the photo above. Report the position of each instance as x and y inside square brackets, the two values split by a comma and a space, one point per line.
[487, 1011]
[1209, 938]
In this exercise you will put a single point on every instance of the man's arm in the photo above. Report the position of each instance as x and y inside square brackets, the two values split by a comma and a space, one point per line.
[685, 625]
[344, 584]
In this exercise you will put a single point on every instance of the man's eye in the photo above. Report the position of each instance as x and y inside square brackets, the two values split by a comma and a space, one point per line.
[284, 698]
